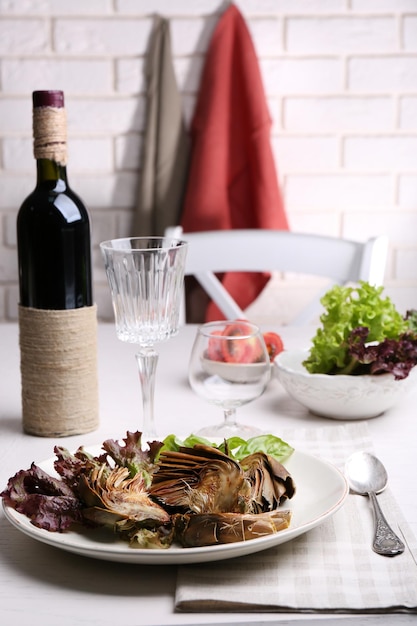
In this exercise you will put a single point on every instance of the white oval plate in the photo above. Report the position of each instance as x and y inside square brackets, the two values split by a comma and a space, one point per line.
[320, 491]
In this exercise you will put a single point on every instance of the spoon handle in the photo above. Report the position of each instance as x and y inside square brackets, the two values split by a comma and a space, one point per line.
[386, 541]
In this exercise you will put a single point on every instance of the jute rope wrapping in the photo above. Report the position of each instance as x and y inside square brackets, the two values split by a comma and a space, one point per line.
[58, 362]
[50, 134]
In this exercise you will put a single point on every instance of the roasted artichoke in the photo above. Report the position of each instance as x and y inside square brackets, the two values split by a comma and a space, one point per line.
[200, 480]
[114, 499]
[270, 482]
[205, 480]
[208, 529]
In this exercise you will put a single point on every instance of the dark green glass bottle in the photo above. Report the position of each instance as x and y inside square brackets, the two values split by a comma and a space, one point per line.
[53, 227]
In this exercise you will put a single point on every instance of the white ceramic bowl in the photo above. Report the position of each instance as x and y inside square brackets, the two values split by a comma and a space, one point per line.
[340, 397]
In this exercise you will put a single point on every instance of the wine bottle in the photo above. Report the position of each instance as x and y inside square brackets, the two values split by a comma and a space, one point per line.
[57, 315]
[53, 227]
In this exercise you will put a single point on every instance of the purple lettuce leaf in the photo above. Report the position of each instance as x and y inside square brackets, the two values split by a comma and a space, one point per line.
[71, 466]
[397, 356]
[48, 502]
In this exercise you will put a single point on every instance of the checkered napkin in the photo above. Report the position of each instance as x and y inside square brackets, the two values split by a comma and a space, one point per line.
[331, 568]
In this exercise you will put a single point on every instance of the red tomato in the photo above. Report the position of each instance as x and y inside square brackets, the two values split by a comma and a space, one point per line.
[240, 351]
[274, 344]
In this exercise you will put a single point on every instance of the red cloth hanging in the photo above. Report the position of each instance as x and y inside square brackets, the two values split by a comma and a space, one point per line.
[232, 179]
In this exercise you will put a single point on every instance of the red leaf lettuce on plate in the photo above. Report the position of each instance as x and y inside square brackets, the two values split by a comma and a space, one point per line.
[55, 504]
[47, 501]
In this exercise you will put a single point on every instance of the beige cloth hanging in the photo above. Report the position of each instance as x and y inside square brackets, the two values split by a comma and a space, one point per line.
[166, 144]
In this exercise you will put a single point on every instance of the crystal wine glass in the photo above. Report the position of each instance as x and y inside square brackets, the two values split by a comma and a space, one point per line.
[229, 367]
[146, 277]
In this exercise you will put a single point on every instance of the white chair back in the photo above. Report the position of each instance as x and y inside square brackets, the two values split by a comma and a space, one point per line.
[341, 260]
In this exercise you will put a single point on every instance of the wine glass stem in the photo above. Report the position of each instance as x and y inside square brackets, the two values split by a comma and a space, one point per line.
[230, 417]
[147, 359]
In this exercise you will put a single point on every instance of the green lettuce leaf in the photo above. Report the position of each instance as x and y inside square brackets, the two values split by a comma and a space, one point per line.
[174, 443]
[269, 444]
[235, 447]
[348, 308]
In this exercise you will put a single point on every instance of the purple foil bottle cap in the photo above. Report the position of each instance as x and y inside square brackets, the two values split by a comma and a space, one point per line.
[50, 98]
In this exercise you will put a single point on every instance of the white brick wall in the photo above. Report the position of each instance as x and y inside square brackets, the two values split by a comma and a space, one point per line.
[341, 82]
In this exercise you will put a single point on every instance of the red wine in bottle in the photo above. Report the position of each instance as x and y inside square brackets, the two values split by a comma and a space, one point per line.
[53, 228]
[57, 316]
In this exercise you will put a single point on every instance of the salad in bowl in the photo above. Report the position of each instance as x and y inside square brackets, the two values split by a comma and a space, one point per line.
[361, 360]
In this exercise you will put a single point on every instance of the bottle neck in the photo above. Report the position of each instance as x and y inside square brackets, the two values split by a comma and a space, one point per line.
[50, 142]
[50, 170]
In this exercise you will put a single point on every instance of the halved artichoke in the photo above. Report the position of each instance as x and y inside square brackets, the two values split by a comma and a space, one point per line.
[114, 499]
[217, 528]
[205, 480]
[271, 484]
[200, 480]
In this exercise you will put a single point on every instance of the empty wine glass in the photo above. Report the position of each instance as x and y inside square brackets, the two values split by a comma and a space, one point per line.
[229, 367]
[146, 277]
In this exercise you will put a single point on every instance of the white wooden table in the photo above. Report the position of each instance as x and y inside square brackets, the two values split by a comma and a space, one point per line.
[43, 586]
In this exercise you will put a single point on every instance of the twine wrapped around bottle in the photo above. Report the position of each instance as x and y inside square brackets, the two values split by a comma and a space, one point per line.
[58, 362]
[50, 134]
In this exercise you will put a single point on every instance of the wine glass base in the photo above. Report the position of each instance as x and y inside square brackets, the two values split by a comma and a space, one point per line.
[224, 431]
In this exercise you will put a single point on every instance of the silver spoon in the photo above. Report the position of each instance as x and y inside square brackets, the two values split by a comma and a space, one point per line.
[366, 475]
